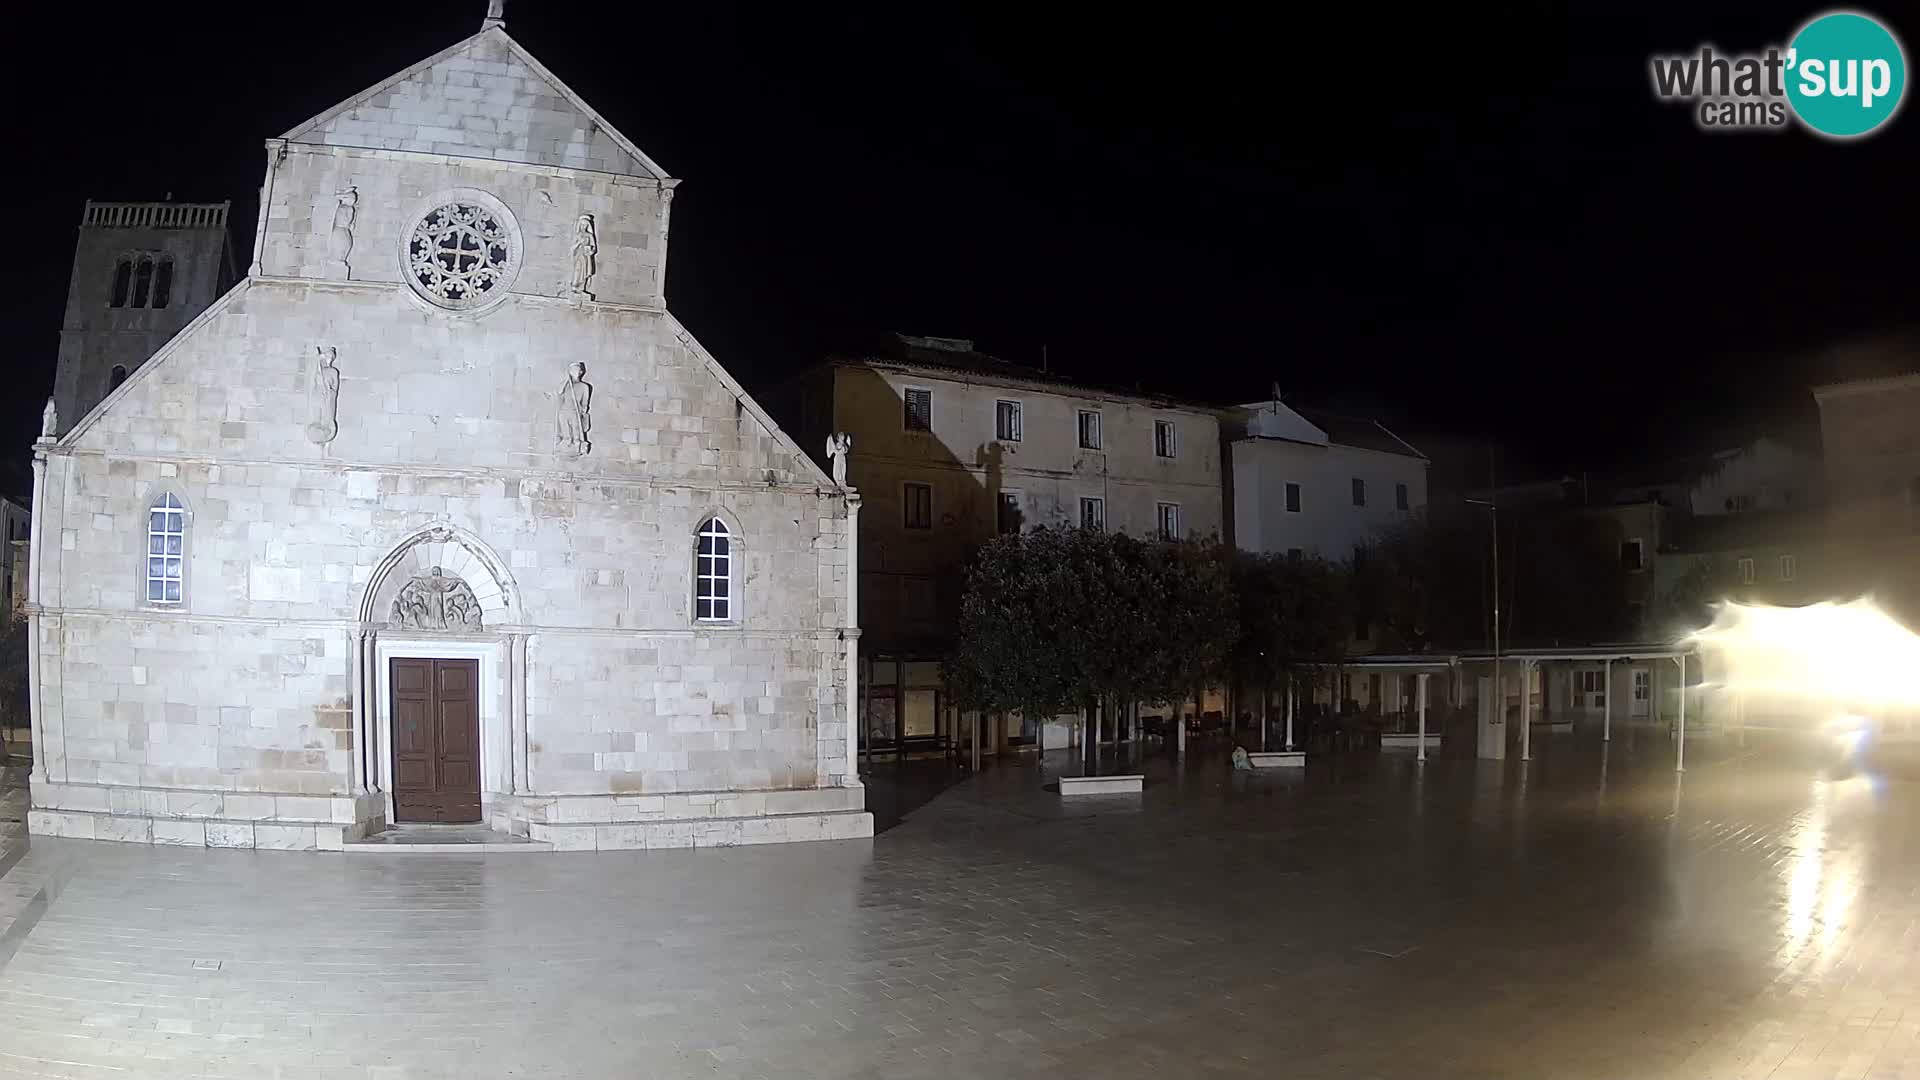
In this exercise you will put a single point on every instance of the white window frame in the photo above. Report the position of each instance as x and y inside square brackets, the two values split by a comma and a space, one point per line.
[1357, 491]
[1298, 502]
[1098, 505]
[1161, 519]
[173, 553]
[1018, 414]
[906, 409]
[1748, 572]
[1080, 429]
[730, 573]
[1172, 447]
[906, 505]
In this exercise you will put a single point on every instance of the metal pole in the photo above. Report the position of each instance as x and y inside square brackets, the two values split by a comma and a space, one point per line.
[1526, 710]
[1420, 688]
[979, 718]
[1606, 696]
[1680, 755]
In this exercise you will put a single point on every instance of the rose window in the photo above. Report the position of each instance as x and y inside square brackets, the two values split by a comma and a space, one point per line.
[460, 255]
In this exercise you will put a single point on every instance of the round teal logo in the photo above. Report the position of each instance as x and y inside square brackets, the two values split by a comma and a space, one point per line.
[1845, 74]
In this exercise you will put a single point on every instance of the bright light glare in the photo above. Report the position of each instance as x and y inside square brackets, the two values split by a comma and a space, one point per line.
[1823, 658]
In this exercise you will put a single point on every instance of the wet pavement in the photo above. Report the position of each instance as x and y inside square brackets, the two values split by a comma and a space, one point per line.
[1591, 914]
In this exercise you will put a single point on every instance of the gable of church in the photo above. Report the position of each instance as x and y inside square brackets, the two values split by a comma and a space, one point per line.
[485, 97]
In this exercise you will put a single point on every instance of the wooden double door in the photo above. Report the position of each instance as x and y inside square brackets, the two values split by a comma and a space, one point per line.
[436, 739]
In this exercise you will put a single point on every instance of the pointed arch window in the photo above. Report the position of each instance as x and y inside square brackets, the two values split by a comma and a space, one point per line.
[713, 593]
[115, 377]
[166, 550]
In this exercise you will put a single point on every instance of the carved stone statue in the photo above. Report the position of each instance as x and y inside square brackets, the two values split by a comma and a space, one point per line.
[572, 421]
[342, 242]
[323, 396]
[839, 445]
[49, 421]
[586, 245]
[435, 602]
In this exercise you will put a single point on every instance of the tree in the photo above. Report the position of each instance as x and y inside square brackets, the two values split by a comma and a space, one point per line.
[1293, 616]
[1685, 606]
[1060, 619]
[1008, 656]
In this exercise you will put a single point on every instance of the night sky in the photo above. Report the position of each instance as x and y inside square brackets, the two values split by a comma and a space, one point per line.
[1472, 227]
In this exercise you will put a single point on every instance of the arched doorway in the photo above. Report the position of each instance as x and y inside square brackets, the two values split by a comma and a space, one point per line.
[440, 680]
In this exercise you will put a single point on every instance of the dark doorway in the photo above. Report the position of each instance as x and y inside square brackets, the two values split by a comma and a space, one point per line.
[436, 740]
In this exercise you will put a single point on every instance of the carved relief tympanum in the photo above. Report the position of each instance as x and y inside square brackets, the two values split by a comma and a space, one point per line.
[434, 601]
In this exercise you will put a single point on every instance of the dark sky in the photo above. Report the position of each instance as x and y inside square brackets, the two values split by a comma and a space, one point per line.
[1475, 226]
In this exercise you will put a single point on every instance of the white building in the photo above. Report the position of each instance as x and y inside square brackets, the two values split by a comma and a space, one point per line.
[440, 515]
[1317, 483]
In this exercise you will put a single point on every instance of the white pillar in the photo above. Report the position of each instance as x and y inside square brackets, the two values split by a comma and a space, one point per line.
[1266, 695]
[979, 718]
[357, 781]
[853, 610]
[1420, 691]
[520, 737]
[1526, 710]
[35, 700]
[1680, 755]
[1290, 701]
[1606, 699]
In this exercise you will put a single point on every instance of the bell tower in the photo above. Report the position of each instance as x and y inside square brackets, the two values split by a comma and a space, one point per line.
[141, 271]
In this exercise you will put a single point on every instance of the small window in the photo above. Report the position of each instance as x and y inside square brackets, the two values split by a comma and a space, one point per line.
[1362, 628]
[122, 282]
[162, 283]
[1642, 684]
[1400, 500]
[1293, 498]
[1163, 438]
[1009, 514]
[142, 282]
[166, 550]
[1789, 567]
[918, 500]
[1093, 513]
[1632, 556]
[1006, 421]
[115, 377]
[1089, 430]
[1746, 571]
[713, 573]
[919, 414]
[1359, 492]
[1168, 515]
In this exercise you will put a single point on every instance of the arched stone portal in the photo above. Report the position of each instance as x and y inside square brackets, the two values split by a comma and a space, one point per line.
[441, 601]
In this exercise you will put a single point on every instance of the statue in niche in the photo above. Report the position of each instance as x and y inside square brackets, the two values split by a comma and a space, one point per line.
[839, 445]
[573, 421]
[49, 421]
[586, 245]
[323, 396]
[342, 241]
[434, 601]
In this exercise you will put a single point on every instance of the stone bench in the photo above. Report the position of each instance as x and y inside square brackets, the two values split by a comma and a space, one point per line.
[1278, 759]
[1121, 784]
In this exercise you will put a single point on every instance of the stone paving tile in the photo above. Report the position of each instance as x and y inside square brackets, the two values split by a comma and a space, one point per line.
[1591, 916]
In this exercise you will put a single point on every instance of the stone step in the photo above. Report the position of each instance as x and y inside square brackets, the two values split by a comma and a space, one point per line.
[442, 840]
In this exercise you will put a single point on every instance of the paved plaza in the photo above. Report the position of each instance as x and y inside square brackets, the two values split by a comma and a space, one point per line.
[1590, 915]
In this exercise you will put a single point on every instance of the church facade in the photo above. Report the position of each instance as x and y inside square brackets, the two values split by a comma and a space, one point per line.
[439, 515]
